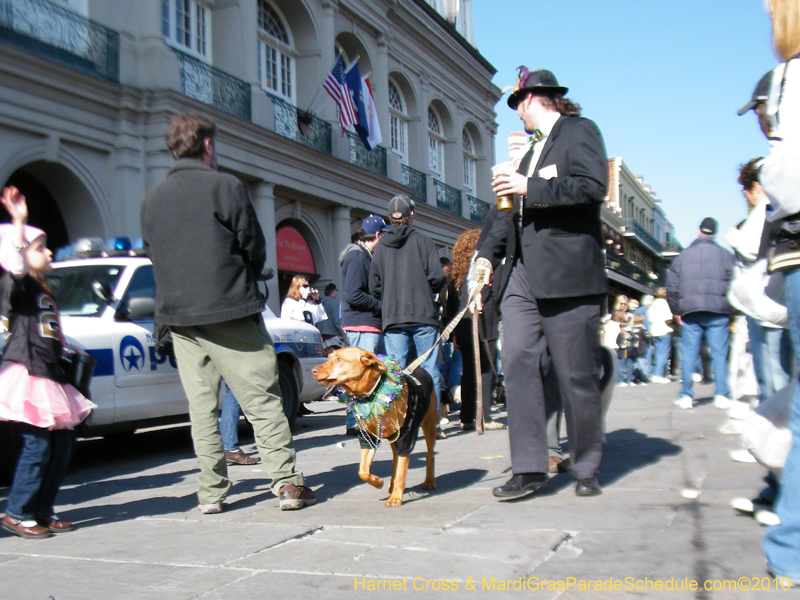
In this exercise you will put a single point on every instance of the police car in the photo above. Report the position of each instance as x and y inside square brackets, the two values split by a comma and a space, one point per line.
[106, 307]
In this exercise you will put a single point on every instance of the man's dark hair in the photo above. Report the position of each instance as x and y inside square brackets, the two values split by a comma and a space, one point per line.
[748, 174]
[401, 222]
[330, 288]
[560, 104]
[186, 135]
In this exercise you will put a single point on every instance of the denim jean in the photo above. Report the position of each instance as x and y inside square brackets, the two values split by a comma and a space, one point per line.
[778, 358]
[452, 366]
[662, 345]
[716, 329]
[782, 542]
[625, 370]
[41, 469]
[229, 421]
[398, 343]
[371, 342]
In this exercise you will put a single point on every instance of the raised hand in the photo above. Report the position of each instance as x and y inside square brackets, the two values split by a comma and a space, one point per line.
[14, 202]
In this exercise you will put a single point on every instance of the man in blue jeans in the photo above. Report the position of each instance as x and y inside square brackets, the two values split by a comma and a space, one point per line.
[405, 274]
[697, 286]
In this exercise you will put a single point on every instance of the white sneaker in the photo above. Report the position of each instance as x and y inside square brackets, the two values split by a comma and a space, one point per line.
[741, 455]
[743, 505]
[622, 384]
[732, 428]
[210, 509]
[766, 517]
[444, 421]
[721, 402]
[697, 378]
[657, 379]
[684, 402]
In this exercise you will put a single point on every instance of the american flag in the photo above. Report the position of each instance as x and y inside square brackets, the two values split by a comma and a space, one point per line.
[336, 86]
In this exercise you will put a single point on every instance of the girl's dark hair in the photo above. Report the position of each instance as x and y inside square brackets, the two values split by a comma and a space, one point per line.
[748, 174]
[186, 135]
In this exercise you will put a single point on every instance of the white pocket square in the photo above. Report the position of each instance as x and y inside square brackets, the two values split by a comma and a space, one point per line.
[548, 172]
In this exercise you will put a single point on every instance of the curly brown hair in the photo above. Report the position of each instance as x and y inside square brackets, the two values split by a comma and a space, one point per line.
[557, 102]
[748, 174]
[463, 250]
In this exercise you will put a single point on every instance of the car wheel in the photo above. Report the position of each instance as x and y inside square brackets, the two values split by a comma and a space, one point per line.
[9, 451]
[289, 392]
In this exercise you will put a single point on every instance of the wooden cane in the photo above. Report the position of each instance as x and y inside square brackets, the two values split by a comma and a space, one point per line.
[476, 346]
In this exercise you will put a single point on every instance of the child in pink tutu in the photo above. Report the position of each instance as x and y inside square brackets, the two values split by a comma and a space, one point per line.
[34, 393]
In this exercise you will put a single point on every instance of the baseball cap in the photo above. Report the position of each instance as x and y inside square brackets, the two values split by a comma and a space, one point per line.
[709, 226]
[400, 206]
[760, 94]
[374, 224]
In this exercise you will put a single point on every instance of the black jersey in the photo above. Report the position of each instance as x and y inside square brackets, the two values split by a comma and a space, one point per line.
[35, 340]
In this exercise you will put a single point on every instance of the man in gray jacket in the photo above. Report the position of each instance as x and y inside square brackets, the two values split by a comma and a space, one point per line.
[697, 287]
[208, 250]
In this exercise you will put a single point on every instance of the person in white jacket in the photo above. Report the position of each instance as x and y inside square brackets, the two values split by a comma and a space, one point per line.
[780, 177]
[658, 315]
[302, 303]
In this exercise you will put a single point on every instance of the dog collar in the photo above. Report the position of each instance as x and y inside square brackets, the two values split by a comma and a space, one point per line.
[380, 399]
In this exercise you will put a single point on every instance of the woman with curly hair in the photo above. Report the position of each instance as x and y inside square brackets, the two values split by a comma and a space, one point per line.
[463, 252]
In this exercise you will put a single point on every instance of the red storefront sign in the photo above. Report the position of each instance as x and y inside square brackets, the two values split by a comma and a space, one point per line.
[293, 252]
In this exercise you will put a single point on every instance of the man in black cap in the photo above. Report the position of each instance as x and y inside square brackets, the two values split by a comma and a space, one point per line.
[697, 288]
[555, 285]
[405, 274]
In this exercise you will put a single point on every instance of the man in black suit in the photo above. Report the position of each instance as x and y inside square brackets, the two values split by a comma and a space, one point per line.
[553, 282]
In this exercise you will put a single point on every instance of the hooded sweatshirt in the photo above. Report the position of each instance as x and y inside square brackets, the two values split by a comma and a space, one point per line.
[405, 274]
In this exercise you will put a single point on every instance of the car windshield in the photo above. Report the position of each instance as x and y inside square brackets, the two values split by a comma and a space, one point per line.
[72, 288]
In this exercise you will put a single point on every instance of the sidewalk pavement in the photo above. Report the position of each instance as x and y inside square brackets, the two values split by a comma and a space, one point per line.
[140, 535]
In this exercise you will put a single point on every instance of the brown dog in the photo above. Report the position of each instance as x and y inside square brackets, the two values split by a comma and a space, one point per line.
[358, 372]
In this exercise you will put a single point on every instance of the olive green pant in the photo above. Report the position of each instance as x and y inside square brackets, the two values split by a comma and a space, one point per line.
[242, 352]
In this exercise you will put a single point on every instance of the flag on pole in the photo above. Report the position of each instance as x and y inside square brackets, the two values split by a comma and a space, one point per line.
[374, 138]
[355, 83]
[336, 86]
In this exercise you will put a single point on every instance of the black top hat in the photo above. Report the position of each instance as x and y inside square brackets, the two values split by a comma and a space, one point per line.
[539, 80]
[760, 94]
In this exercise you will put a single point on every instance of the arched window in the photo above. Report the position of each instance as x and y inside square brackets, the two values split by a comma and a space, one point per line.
[186, 24]
[275, 53]
[469, 160]
[398, 119]
[436, 143]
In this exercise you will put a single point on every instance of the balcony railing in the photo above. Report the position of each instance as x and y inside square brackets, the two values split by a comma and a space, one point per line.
[632, 225]
[417, 181]
[315, 133]
[214, 87]
[624, 267]
[372, 160]
[53, 32]
[447, 198]
[478, 210]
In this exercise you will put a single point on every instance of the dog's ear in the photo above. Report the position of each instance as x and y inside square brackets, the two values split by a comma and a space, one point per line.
[370, 360]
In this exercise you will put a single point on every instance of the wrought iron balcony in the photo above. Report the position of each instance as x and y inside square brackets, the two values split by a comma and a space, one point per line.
[624, 267]
[53, 32]
[478, 210]
[417, 181]
[312, 131]
[447, 198]
[372, 160]
[632, 226]
[211, 86]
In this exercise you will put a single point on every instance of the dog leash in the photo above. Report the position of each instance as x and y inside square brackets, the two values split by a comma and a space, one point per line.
[447, 330]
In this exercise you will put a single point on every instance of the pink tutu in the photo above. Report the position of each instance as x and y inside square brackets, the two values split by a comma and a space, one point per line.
[40, 401]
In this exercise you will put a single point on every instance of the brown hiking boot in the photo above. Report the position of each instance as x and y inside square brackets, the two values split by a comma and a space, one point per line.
[239, 458]
[295, 497]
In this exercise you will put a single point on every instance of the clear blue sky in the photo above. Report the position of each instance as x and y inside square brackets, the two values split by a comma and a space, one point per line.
[662, 79]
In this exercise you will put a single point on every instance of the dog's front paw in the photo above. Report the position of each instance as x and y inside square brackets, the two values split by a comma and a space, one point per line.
[429, 485]
[392, 501]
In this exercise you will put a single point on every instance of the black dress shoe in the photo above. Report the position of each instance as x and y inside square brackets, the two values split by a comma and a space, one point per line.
[588, 487]
[521, 485]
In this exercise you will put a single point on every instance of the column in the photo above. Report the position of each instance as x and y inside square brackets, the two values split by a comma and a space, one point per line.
[341, 237]
[263, 198]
